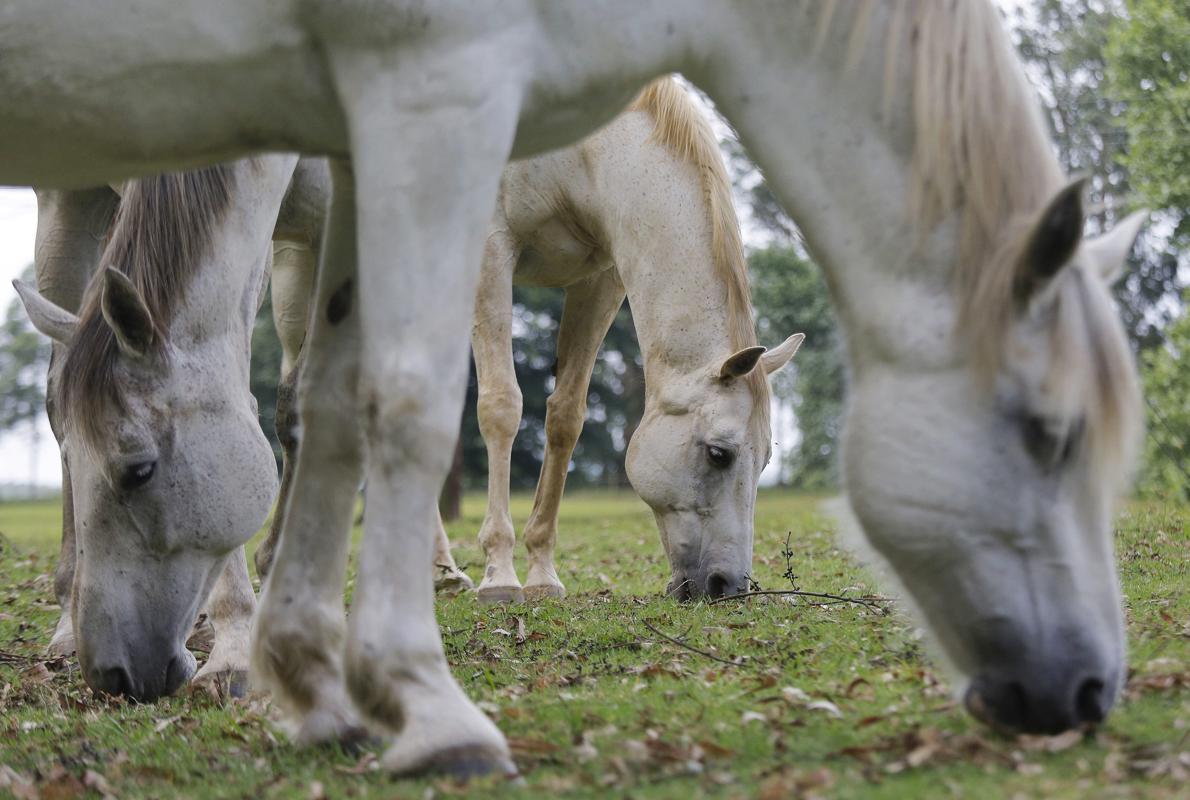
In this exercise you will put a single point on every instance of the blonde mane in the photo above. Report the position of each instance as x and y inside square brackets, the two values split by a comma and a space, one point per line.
[982, 149]
[682, 128]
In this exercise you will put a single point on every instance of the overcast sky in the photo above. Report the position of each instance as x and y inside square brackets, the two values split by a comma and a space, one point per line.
[18, 225]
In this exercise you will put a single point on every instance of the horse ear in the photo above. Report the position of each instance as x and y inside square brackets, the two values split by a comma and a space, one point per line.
[780, 355]
[1053, 241]
[1106, 254]
[741, 363]
[47, 317]
[126, 313]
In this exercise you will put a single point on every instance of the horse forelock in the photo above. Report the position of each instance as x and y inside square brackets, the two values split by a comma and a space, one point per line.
[682, 128]
[161, 232]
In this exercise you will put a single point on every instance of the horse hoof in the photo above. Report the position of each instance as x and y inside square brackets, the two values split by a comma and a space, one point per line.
[545, 591]
[225, 684]
[458, 763]
[61, 647]
[500, 594]
[355, 740]
[453, 585]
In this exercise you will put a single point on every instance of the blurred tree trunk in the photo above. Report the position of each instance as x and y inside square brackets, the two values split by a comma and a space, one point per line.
[450, 502]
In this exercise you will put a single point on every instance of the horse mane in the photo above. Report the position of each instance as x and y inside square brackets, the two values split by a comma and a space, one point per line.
[161, 231]
[682, 128]
[982, 151]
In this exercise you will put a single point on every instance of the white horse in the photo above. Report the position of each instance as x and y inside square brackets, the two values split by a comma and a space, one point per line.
[644, 207]
[993, 417]
[170, 487]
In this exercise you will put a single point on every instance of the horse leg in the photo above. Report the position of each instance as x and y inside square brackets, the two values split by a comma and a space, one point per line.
[449, 580]
[297, 638]
[229, 610]
[499, 410]
[423, 207]
[291, 284]
[587, 313]
[71, 227]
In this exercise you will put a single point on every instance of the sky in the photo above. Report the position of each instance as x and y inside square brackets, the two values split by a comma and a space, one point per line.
[18, 457]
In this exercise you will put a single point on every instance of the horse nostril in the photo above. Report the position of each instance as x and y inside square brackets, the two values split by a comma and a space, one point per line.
[115, 681]
[717, 585]
[1089, 705]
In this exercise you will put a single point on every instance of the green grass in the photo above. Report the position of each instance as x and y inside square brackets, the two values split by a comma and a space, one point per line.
[595, 703]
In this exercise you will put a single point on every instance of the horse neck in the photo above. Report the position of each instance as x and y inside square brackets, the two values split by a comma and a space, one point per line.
[659, 233]
[227, 289]
[847, 111]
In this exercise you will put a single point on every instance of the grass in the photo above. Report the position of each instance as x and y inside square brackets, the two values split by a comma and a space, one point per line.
[835, 701]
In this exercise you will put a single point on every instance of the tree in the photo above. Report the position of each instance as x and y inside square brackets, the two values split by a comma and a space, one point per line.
[615, 400]
[790, 296]
[1166, 374]
[266, 371]
[1148, 54]
[1064, 44]
[24, 361]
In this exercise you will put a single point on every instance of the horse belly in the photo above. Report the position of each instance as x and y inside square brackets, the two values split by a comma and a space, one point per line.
[90, 95]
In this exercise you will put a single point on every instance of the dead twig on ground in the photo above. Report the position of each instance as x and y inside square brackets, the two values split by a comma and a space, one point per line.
[689, 647]
[833, 599]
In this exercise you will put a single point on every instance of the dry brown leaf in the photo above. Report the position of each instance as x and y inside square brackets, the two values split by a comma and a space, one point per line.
[524, 746]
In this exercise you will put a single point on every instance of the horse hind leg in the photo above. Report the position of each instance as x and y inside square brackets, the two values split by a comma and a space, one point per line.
[298, 634]
[587, 313]
[449, 580]
[229, 610]
[291, 284]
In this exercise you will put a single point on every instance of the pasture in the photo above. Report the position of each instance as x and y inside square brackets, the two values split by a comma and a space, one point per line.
[618, 691]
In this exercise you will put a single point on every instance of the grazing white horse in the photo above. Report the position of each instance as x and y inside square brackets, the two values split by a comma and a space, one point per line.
[993, 417]
[165, 469]
[642, 207]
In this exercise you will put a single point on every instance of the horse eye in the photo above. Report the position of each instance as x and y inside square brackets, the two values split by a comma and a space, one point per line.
[719, 457]
[137, 475]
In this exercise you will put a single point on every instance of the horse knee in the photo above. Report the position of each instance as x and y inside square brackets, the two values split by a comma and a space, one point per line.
[499, 411]
[411, 416]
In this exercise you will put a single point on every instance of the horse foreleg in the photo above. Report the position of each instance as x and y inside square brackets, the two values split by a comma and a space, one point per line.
[587, 313]
[424, 202]
[297, 638]
[71, 226]
[499, 409]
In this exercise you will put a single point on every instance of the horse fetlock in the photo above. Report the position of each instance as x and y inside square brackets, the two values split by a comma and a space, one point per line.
[296, 655]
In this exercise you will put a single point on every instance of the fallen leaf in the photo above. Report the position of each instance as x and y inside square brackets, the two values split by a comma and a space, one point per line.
[825, 705]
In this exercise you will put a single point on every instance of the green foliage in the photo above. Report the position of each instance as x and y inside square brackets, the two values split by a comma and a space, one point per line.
[1166, 373]
[790, 296]
[1064, 44]
[24, 361]
[1149, 68]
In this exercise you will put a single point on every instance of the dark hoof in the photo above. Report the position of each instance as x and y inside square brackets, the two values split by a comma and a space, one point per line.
[464, 763]
[357, 740]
